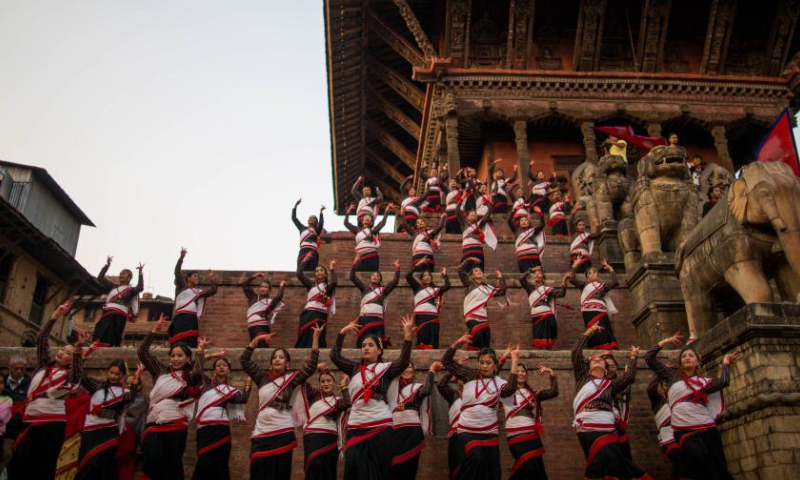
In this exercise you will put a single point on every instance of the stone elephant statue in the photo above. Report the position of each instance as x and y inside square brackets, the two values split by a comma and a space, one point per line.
[664, 203]
[743, 242]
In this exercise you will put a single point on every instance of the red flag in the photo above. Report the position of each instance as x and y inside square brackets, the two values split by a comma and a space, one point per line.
[627, 134]
[779, 144]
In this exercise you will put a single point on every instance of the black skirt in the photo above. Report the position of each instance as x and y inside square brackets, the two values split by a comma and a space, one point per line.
[455, 455]
[368, 454]
[311, 257]
[605, 459]
[371, 262]
[527, 450]
[321, 453]
[673, 452]
[603, 339]
[109, 329]
[163, 447]
[371, 326]
[183, 329]
[451, 224]
[624, 442]
[545, 331]
[559, 226]
[702, 455]
[480, 457]
[481, 335]
[305, 336]
[427, 326]
[407, 446]
[98, 454]
[473, 254]
[213, 453]
[271, 456]
[423, 262]
[434, 199]
[257, 330]
[528, 261]
[409, 223]
[36, 452]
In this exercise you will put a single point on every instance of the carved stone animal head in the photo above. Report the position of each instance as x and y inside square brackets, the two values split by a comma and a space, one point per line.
[582, 178]
[613, 163]
[664, 161]
[715, 175]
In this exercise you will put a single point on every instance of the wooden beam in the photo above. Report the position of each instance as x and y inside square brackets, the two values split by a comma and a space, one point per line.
[718, 36]
[457, 30]
[416, 29]
[520, 33]
[780, 39]
[397, 42]
[392, 144]
[589, 35]
[653, 34]
[397, 82]
[393, 112]
[384, 165]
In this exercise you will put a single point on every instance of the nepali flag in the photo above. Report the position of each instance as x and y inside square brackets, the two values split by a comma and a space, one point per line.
[779, 144]
[626, 133]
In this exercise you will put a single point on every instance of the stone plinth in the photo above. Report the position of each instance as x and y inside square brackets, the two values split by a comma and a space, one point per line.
[658, 307]
[608, 246]
[761, 427]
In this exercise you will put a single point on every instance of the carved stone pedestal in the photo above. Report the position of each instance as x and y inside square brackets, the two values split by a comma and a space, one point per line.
[658, 307]
[761, 426]
[608, 246]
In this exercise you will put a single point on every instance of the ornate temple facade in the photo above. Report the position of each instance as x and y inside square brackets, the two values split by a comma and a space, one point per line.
[466, 82]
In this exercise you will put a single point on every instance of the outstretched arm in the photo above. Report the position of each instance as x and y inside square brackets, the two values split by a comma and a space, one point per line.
[180, 281]
[101, 277]
[248, 291]
[397, 366]
[300, 226]
[393, 282]
[251, 368]
[276, 300]
[551, 392]
[413, 282]
[580, 366]
[356, 281]
[150, 362]
[301, 276]
[523, 280]
[446, 390]
[43, 338]
[354, 190]
[353, 229]
[343, 364]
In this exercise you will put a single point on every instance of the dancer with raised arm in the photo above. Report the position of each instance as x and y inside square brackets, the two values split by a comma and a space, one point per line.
[558, 218]
[594, 414]
[582, 246]
[500, 187]
[530, 241]
[452, 395]
[481, 397]
[190, 304]
[411, 205]
[373, 303]
[411, 417]
[219, 404]
[121, 306]
[596, 306]
[621, 406]
[309, 237]
[367, 204]
[368, 240]
[368, 447]
[262, 309]
[476, 301]
[427, 304]
[320, 303]
[475, 232]
[695, 401]
[524, 425]
[425, 241]
[38, 446]
[658, 392]
[273, 438]
[176, 387]
[433, 188]
[452, 201]
[97, 458]
[542, 301]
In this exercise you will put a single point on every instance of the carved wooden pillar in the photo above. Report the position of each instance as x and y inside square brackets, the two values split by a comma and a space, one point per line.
[589, 141]
[520, 33]
[718, 35]
[721, 143]
[653, 34]
[523, 155]
[451, 133]
[654, 130]
[589, 34]
[780, 39]
[458, 13]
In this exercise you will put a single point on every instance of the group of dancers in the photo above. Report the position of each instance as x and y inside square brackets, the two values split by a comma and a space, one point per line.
[376, 414]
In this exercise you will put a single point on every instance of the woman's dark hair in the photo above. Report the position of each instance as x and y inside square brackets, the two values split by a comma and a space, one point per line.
[222, 359]
[127, 270]
[426, 272]
[680, 354]
[523, 367]
[265, 282]
[327, 373]
[121, 365]
[324, 270]
[378, 342]
[185, 348]
[490, 352]
[285, 355]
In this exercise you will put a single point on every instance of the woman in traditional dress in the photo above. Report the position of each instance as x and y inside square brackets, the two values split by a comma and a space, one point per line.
[368, 240]
[176, 387]
[542, 301]
[524, 425]
[621, 406]
[367, 204]
[452, 201]
[500, 187]
[273, 438]
[481, 397]
[530, 242]
[410, 206]
[596, 306]
[121, 306]
[476, 300]
[190, 304]
[580, 250]
[411, 417]
[594, 414]
[101, 429]
[374, 298]
[425, 241]
[658, 392]
[558, 217]
[433, 188]
[320, 302]
[368, 447]
[38, 446]
[427, 303]
[475, 232]
[695, 401]
[309, 237]
[262, 309]
[219, 404]
[452, 396]
[320, 411]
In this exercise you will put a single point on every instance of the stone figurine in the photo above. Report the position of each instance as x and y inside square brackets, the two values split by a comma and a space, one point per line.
[664, 203]
[743, 242]
[715, 175]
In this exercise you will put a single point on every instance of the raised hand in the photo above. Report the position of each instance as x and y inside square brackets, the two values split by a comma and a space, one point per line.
[390, 206]
[138, 373]
[498, 274]
[577, 261]
[109, 259]
[352, 327]
[676, 339]
[435, 367]
[396, 264]
[360, 179]
[544, 370]
[140, 267]
[444, 271]
[260, 275]
[183, 252]
[322, 208]
[317, 330]
[331, 264]
[283, 283]
[221, 354]
[633, 352]
[408, 326]
[63, 309]
[515, 353]
[202, 343]
[161, 324]
[323, 367]
[465, 339]
[299, 200]
[210, 276]
[732, 358]
[351, 208]
[82, 337]
[261, 337]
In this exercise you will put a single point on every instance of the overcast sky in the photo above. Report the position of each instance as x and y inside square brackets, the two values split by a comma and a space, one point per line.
[172, 123]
